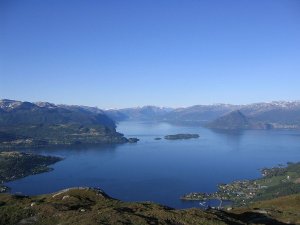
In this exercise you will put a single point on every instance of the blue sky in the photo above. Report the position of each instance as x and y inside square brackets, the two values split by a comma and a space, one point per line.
[123, 53]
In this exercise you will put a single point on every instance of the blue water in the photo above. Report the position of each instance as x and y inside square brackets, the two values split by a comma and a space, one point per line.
[161, 171]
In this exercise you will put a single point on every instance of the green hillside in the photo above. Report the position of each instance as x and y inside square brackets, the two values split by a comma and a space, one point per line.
[25, 124]
[91, 206]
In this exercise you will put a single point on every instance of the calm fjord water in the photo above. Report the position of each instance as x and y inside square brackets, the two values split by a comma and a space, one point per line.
[163, 170]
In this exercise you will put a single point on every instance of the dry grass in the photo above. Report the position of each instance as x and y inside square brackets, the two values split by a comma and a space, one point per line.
[89, 206]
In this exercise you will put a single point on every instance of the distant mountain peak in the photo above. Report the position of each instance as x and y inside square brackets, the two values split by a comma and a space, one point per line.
[45, 104]
[237, 113]
[9, 105]
[231, 121]
[236, 120]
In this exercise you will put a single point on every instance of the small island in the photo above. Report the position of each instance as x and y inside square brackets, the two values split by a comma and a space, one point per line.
[16, 165]
[133, 140]
[181, 136]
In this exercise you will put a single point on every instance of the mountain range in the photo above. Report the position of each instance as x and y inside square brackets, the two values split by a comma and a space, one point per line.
[42, 123]
[277, 114]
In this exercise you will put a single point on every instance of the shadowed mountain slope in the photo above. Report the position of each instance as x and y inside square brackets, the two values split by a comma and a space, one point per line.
[43, 124]
[236, 120]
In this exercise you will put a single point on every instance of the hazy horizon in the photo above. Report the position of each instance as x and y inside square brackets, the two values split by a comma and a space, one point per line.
[120, 54]
[159, 106]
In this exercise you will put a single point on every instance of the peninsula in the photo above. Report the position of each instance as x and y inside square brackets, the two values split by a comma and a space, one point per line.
[275, 182]
[16, 165]
[43, 124]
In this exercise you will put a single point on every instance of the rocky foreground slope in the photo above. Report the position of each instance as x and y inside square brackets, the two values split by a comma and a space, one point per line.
[92, 206]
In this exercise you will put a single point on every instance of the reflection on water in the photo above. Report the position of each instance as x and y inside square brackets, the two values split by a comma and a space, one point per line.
[163, 170]
[233, 137]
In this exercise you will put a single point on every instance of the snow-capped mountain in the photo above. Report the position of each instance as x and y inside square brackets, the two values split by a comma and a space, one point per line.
[282, 114]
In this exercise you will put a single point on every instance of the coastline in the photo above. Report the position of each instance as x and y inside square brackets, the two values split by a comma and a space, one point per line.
[274, 182]
[15, 165]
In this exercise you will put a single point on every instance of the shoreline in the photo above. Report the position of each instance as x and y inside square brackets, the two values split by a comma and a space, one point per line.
[15, 165]
[273, 181]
